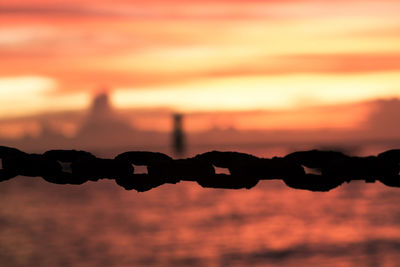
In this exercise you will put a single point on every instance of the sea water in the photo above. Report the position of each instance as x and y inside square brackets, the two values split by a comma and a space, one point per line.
[101, 224]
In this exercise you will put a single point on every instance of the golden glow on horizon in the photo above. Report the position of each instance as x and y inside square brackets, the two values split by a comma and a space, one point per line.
[28, 95]
[254, 92]
[14, 87]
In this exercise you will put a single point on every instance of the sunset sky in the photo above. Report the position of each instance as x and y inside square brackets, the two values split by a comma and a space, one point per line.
[198, 56]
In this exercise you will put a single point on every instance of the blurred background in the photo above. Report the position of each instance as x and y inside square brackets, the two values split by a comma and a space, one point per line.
[186, 77]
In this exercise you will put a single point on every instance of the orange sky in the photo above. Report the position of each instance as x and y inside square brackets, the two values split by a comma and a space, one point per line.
[197, 56]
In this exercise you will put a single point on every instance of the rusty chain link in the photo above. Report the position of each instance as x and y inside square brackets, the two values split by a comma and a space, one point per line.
[331, 169]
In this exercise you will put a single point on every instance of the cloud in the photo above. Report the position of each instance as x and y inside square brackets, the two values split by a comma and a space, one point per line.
[28, 95]
[264, 92]
[385, 117]
[168, 10]
[73, 11]
[12, 36]
[343, 62]
[207, 9]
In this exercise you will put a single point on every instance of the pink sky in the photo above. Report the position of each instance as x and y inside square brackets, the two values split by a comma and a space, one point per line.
[199, 56]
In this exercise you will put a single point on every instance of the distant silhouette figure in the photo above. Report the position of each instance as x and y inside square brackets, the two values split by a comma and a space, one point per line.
[178, 142]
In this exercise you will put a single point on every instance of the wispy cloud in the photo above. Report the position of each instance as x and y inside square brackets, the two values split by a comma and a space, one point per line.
[173, 45]
[22, 95]
[258, 92]
[74, 11]
[221, 9]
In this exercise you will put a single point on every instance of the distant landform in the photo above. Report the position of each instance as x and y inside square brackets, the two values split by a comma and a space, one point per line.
[102, 128]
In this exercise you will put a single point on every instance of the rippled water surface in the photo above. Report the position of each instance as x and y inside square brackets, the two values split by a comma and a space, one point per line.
[101, 224]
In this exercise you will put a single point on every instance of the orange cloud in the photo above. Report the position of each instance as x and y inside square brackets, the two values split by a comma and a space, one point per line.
[345, 46]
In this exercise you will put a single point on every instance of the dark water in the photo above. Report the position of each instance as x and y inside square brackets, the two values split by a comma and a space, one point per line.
[101, 224]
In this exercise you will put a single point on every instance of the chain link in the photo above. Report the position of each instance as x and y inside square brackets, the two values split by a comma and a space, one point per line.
[77, 167]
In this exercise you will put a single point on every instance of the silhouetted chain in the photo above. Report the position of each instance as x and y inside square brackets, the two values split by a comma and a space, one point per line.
[331, 168]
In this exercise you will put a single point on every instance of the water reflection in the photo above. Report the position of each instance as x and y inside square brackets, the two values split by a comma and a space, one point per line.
[99, 224]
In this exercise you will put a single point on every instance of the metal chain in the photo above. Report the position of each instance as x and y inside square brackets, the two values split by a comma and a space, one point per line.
[245, 170]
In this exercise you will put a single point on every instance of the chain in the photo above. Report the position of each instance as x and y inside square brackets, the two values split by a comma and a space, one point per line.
[330, 168]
